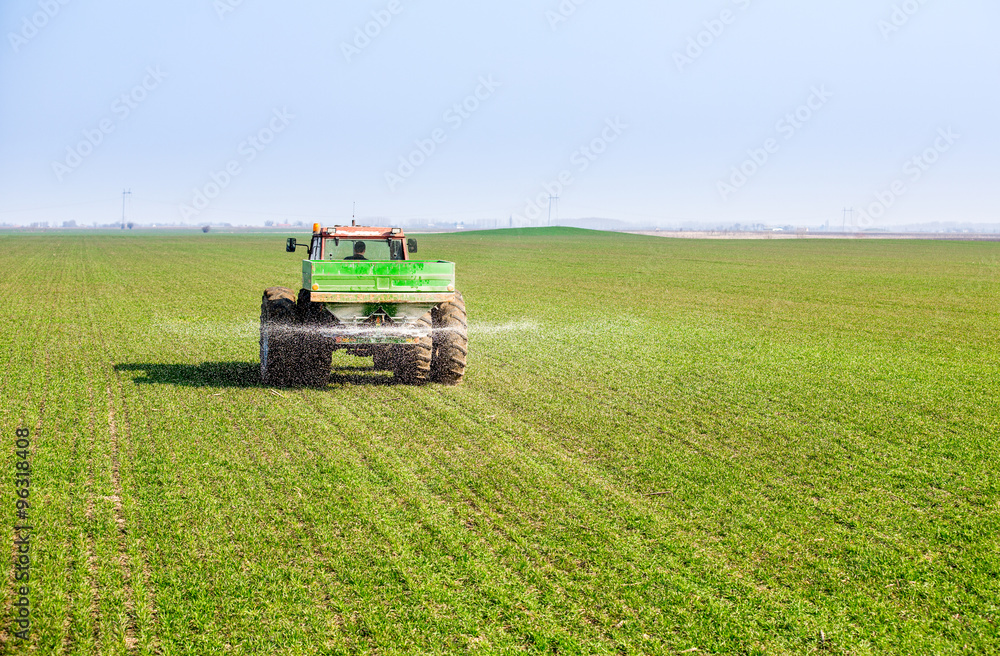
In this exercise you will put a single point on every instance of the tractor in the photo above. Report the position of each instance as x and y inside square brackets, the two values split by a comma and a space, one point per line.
[362, 293]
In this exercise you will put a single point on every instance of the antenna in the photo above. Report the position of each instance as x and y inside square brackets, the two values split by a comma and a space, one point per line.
[124, 194]
[552, 198]
[354, 212]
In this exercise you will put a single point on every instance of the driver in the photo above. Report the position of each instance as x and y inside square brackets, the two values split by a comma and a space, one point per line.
[359, 251]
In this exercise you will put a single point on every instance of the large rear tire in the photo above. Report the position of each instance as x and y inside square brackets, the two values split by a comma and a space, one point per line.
[316, 347]
[278, 343]
[411, 363]
[382, 359]
[451, 342]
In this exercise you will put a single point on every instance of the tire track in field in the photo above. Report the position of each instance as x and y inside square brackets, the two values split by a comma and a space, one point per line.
[72, 526]
[335, 586]
[90, 506]
[90, 516]
[488, 560]
[291, 518]
[259, 452]
[116, 500]
[545, 465]
[66, 644]
[125, 563]
[497, 518]
[481, 565]
[144, 567]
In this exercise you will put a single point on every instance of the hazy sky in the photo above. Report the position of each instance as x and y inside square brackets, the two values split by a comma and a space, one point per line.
[245, 110]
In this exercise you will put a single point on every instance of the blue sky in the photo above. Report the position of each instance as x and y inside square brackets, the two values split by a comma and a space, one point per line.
[726, 111]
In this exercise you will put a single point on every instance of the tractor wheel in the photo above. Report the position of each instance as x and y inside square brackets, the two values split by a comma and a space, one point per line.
[451, 342]
[314, 362]
[315, 348]
[382, 359]
[411, 363]
[277, 336]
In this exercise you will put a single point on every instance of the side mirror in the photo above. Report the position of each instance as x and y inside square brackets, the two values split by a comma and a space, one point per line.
[290, 245]
[411, 245]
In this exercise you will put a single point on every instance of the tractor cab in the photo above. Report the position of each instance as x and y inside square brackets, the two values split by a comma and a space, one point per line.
[357, 243]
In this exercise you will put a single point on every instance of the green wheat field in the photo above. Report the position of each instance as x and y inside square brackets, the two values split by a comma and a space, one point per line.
[661, 447]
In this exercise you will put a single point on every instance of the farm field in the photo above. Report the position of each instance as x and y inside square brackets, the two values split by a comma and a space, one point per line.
[661, 447]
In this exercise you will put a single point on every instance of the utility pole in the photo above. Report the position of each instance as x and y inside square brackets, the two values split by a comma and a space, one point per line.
[125, 193]
[846, 212]
[552, 198]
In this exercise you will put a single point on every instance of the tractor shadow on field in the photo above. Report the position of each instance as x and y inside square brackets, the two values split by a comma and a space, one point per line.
[237, 374]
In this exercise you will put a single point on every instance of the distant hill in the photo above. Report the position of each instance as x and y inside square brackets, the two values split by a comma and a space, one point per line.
[595, 223]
